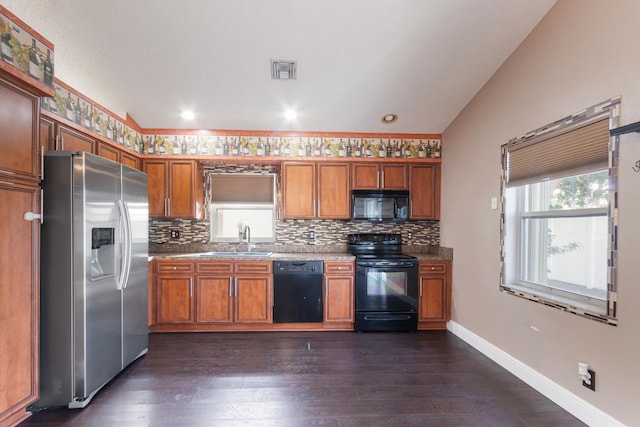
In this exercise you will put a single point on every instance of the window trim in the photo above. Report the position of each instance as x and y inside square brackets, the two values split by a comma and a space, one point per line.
[609, 109]
[213, 206]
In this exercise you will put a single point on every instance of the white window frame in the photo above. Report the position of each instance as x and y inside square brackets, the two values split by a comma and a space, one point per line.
[216, 208]
[595, 306]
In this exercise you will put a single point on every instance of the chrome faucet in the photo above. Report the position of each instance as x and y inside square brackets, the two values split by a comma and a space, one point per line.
[247, 236]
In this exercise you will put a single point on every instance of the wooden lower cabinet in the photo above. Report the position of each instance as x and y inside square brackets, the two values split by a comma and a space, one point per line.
[253, 299]
[212, 295]
[174, 282]
[339, 302]
[434, 294]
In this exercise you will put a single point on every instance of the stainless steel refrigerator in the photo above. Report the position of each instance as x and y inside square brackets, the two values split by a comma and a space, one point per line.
[93, 275]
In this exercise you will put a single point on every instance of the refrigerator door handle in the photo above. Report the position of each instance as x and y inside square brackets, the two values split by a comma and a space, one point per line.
[126, 244]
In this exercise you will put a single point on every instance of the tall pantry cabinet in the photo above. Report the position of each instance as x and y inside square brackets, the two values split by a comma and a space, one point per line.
[19, 246]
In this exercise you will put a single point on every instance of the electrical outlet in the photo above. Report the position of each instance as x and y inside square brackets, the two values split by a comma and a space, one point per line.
[409, 235]
[175, 234]
[591, 385]
[312, 235]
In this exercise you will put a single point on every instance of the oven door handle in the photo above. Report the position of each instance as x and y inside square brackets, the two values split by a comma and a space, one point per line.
[387, 317]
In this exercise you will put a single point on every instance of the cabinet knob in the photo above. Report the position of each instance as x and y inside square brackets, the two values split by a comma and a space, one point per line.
[175, 268]
[432, 268]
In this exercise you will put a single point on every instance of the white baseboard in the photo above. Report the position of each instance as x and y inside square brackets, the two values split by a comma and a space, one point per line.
[573, 404]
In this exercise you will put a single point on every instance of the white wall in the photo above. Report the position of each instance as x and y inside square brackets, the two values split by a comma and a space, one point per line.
[582, 53]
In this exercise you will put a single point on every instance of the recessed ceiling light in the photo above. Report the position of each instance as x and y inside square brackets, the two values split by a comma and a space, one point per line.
[187, 115]
[290, 115]
[389, 118]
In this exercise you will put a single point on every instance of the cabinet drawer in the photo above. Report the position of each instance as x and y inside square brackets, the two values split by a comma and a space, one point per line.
[433, 267]
[253, 267]
[214, 267]
[175, 267]
[338, 267]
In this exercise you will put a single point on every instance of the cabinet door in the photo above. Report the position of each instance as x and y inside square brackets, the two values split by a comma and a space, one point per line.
[72, 140]
[394, 176]
[365, 176]
[18, 300]
[158, 176]
[180, 197]
[214, 297]
[338, 299]
[253, 299]
[432, 298]
[298, 190]
[19, 142]
[175, 299]
[130, 160]
[334, 193]
[47, 136]
[424, 191]
[108, 152]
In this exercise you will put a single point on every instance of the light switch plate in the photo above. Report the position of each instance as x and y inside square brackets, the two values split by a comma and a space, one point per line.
[494, 203]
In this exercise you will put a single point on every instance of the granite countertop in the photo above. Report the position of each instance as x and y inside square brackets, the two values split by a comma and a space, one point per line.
[428, 253]
[274, 256]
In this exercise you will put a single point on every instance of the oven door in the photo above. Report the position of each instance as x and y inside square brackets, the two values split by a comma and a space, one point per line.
[386, 287]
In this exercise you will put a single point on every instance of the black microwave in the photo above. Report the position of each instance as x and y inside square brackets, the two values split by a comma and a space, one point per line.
[380, 205]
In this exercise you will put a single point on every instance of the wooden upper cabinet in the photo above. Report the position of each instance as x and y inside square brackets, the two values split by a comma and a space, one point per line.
[334, 191]
[424, 191]
[19, 143]
[298, 190]
[374, 176]
[394, 176]
[72, 140]
[113, 153]
[173, 188]
[316, 190]
[130, 160]
[365, 176]
[47, 134]
[182, 182]
[108, 152]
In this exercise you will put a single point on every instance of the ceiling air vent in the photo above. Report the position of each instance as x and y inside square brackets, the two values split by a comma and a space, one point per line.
[283, 70]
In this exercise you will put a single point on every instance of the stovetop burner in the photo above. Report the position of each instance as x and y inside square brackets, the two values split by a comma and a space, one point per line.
[384, 256]
[377, 247]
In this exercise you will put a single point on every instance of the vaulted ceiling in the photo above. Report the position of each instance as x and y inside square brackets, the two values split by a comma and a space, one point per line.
[357, 60]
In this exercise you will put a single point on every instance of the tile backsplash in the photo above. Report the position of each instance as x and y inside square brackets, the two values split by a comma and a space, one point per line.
[290, 234]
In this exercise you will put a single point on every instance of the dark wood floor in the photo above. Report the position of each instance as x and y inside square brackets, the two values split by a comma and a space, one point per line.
[312, 378]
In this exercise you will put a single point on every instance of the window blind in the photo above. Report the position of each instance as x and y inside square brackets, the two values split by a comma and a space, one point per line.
[236, 188]
[572, 152]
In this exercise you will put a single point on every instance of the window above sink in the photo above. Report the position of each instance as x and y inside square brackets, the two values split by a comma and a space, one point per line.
[239, 201]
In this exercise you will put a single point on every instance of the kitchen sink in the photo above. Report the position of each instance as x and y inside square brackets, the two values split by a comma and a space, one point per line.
[253, 254]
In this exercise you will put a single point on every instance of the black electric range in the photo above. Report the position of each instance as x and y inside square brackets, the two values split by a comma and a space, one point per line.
[386, 283]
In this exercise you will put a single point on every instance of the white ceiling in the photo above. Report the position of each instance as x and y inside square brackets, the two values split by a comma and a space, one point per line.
[357, 59]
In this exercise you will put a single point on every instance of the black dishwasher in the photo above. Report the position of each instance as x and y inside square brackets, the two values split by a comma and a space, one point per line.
[297, 291]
